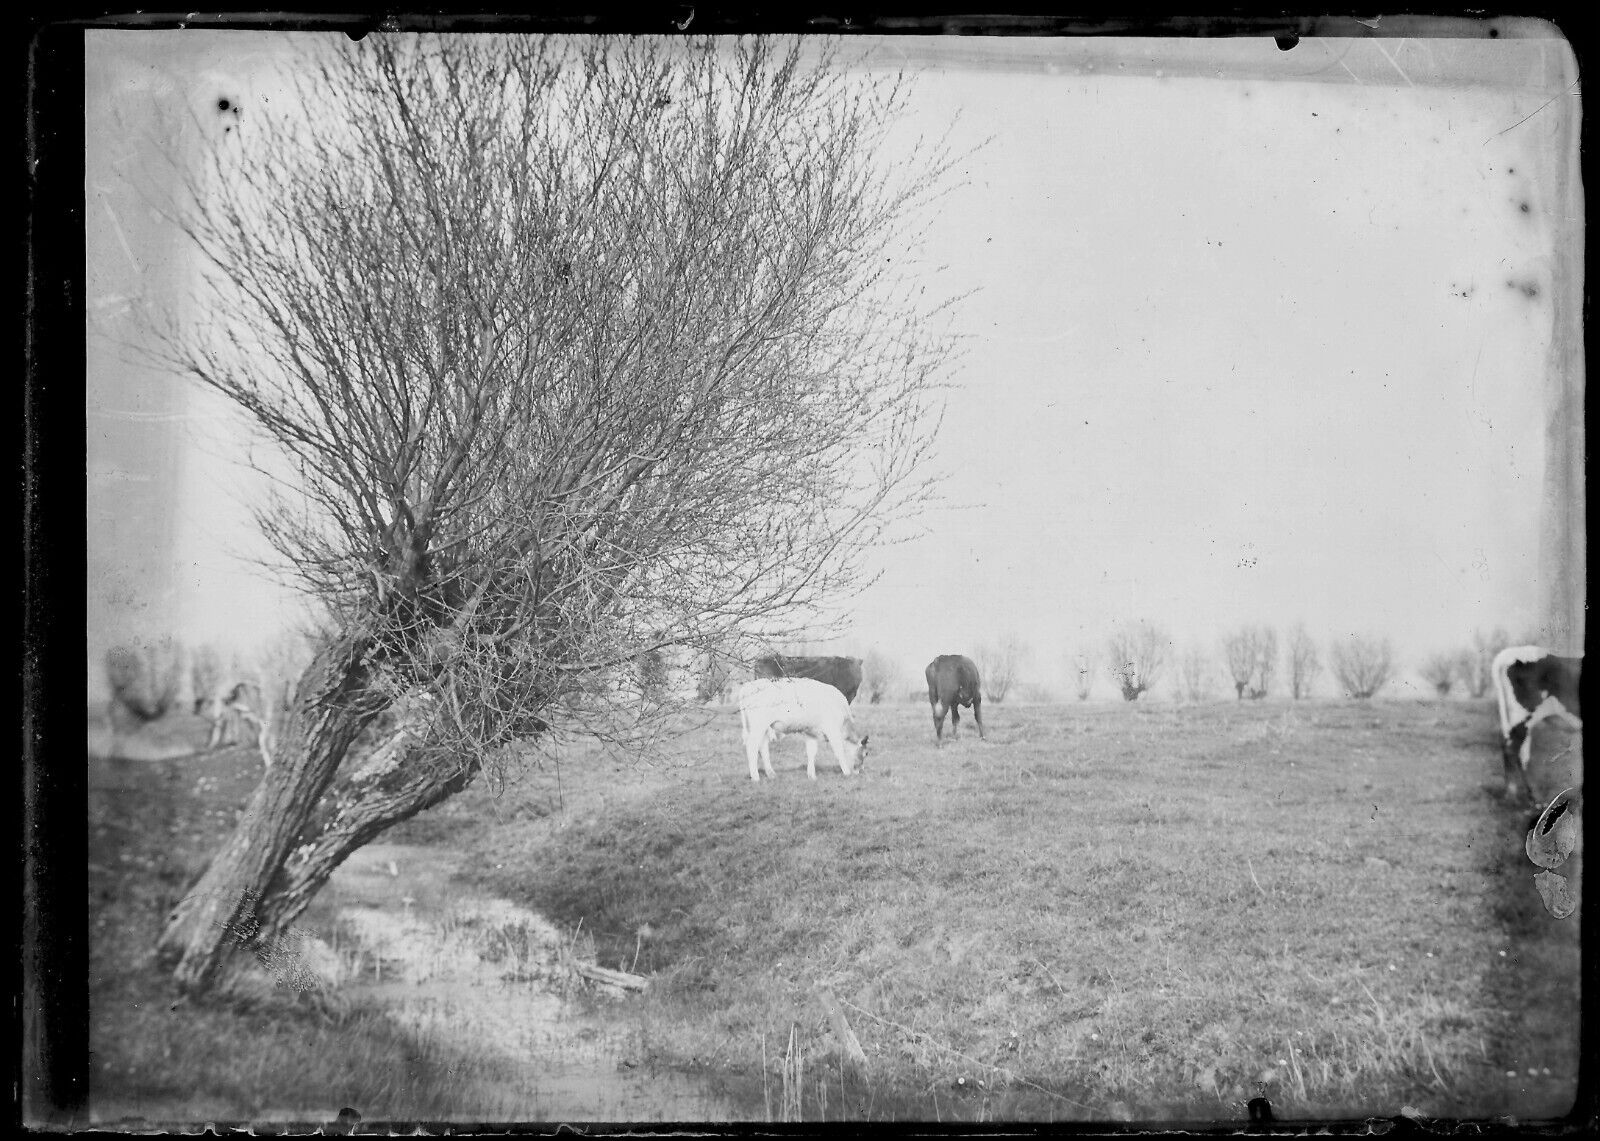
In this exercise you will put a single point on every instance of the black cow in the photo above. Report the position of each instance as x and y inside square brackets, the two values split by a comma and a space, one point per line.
[1531, 684]
[844, 674]
[953, 681]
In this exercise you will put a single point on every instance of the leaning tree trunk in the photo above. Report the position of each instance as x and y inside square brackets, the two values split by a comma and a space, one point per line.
[217, 922]
[399, 780]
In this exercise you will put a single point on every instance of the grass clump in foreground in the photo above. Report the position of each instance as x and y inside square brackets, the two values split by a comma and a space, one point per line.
[152, 825]
[1114, 912]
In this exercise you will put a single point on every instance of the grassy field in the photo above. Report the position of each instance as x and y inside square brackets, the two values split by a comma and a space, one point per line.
[1143, 911]
[1105, 911]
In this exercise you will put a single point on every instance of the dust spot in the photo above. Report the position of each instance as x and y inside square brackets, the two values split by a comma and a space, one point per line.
[1524, 207]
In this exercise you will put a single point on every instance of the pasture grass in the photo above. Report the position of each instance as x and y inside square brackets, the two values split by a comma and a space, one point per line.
[1105, 911]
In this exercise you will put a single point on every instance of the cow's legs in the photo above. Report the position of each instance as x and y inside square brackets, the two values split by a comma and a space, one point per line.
[955, 720]
[938, 721]
[1515, 751]
[811, 757]
[753, 748]
[977, 715]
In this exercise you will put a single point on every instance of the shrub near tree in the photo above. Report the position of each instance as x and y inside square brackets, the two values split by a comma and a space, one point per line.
[1362, 665]
[566, 351]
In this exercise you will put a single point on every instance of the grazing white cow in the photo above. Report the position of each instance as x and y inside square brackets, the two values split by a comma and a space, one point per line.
[229, 708]
[1531, 684]
[771, 707]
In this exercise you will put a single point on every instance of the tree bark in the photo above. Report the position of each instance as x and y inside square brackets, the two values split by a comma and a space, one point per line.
[218, 921]
[398, 781]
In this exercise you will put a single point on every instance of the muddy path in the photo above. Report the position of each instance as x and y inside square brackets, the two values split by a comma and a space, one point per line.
[489, 979]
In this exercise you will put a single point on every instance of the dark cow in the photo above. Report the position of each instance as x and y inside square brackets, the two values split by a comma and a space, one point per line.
[953, 681]
[1531, 684]
[844, 674]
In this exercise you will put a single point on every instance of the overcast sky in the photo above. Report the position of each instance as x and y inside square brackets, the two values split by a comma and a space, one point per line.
[1251, 339]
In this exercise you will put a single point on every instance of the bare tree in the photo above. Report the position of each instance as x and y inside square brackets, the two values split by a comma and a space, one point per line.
[1194, 675]
[144, 679]
[713, 675]
[1000, 665]
[205, 672]
[879, 675]
[1136, 653]
[1476, 661]
[564, 352]
[1251, 653]
[1440, 671]
[1304, 662]
[1082, 668]
[1361, 664]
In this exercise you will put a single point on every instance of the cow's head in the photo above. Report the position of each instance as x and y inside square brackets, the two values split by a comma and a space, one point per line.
[856, 754]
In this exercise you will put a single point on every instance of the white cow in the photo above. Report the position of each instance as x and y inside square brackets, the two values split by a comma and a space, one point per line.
[1532, 684]
[771, 707]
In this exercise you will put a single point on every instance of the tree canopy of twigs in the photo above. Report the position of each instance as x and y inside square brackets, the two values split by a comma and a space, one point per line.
[1135, 655]
[570, 351]
[1361, 664]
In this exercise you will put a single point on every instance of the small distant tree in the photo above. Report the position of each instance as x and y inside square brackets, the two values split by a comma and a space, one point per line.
[1000, 665]
[713, 677]
[1476, 661]
[1082, 666]
[879, 675]
[1252, 656]
[1440, 671]
[144, 680]
[1361, 664]
[1136, 653]
[205, 671]
[1194, 675]
[1304, 662]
